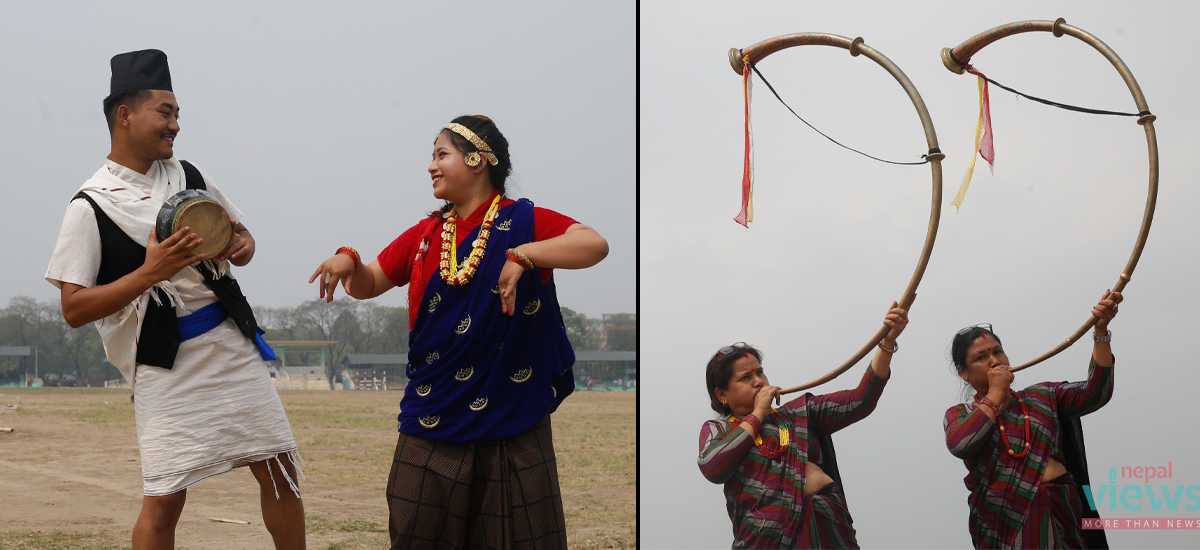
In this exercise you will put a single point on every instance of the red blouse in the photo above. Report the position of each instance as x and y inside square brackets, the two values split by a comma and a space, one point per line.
[397, 259]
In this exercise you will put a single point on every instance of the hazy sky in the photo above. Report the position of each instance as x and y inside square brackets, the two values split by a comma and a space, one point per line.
[836, 237]
[317, 119]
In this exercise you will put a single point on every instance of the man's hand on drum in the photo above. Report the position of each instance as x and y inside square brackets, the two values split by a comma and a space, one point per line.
[240, 250]
[165, 259]
[509, 275]
[339, 268]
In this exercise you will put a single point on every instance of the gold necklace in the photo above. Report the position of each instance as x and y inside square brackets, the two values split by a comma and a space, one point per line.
[451, 272]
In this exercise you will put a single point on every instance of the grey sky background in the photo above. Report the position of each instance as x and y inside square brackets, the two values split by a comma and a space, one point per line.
[317, 119]
[836, 238]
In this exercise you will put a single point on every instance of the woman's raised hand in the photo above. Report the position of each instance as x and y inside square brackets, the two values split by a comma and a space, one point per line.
[339, 268]
[897, 320]
[762, 401]
[1106, 309]
[1000, 379]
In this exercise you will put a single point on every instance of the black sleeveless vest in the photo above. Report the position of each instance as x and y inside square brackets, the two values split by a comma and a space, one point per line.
[158, 342]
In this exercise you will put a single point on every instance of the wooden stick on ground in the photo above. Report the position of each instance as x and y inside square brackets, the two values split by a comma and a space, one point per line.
[223, 520]
[6, 429]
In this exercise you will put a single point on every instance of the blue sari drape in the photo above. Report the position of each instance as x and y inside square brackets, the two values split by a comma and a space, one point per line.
[475, 373]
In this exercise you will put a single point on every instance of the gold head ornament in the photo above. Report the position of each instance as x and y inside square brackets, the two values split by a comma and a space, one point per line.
[472, 159]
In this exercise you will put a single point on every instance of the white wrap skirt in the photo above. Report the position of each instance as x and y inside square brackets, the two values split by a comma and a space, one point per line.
[215, 410]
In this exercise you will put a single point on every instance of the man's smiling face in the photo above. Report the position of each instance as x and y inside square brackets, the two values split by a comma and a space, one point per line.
[154, 125]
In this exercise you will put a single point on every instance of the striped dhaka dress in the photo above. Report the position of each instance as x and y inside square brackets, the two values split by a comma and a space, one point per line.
[1010, 506]
[765, 497]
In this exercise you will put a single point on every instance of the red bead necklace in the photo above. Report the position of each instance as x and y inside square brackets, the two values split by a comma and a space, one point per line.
[1004, 436]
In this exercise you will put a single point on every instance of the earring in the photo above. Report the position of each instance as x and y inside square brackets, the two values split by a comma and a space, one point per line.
[472, 159]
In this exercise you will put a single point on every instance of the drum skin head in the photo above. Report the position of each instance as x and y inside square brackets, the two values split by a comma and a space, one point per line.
[199, 210]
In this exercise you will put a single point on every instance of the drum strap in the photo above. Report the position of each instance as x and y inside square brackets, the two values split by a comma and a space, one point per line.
[191, 177]
[226, 288]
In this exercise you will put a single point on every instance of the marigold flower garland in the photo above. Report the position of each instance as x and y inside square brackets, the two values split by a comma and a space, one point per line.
[451, 272]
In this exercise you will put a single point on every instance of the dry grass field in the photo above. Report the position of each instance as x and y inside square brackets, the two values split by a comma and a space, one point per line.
[70, 475]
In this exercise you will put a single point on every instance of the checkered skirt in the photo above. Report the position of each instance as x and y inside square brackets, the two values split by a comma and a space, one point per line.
[500, 494]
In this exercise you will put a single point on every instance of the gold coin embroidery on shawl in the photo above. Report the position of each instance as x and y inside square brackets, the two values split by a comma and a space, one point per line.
[505, 226]
[430, 421]
[433, 302]
[423, 390]
[479, 404]
[533, 306]
[522, 375]
[433, 356]
[464, 374]
[463, 326]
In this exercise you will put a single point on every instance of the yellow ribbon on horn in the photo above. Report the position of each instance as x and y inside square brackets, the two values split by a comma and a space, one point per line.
[962, 191]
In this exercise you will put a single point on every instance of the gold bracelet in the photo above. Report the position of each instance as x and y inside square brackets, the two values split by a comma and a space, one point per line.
[524, 260]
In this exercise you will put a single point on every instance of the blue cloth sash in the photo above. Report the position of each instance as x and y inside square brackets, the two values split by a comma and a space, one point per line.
[208, 318]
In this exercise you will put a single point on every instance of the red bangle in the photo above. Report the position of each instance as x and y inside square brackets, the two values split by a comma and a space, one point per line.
[990, 403]
[754, 420]
[353, 254]
[516, 256]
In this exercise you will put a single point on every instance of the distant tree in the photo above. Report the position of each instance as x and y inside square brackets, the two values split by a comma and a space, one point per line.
[395, 329]
[583, 333]
[355, 326]
[25, 322]
[621, 331]
[83, 349]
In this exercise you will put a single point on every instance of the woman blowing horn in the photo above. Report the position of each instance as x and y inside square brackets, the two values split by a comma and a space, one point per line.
[1019, 446]
[773, 462]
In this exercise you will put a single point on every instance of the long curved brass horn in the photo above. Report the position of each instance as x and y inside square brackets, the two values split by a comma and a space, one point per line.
[955, 60]
[856, 47]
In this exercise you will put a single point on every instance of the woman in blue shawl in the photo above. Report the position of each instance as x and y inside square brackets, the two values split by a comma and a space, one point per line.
[489, 358]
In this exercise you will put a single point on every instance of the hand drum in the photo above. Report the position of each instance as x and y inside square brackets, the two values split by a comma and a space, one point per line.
[199, 210]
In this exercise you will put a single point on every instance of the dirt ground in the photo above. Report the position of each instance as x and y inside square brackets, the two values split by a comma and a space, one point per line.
[70, 471]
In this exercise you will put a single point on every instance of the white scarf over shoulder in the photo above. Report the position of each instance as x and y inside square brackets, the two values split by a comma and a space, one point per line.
[136, 214]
